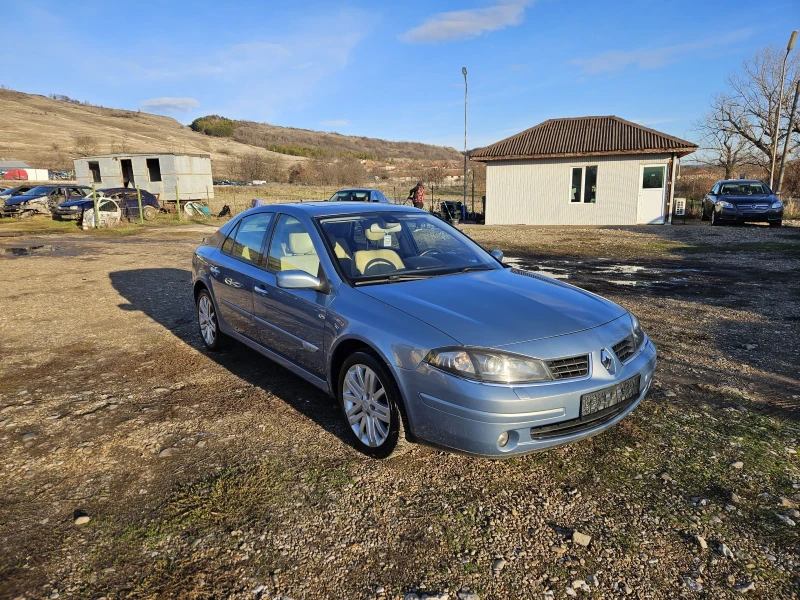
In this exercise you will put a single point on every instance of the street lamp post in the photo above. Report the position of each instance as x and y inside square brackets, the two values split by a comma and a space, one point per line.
[776, 131]
[464, 72]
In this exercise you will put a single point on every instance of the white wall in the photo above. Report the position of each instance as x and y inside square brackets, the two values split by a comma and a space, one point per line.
[537, 192]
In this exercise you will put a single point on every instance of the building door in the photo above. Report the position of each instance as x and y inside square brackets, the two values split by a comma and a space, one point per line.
[127, 173]
[652, 187]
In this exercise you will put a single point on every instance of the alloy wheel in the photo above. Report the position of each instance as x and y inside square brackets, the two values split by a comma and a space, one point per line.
[366, 405]
[207, 320]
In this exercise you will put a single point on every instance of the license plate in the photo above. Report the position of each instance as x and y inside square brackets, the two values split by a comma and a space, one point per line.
[611, 396]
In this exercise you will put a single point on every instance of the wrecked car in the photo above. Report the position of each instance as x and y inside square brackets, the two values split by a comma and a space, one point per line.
[40, 200]
[110, 214]
[126, 199]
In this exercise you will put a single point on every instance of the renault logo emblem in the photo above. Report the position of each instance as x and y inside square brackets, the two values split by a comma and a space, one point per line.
[606, 359]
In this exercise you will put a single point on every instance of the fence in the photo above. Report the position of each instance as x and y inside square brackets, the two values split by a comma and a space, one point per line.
[240, 198]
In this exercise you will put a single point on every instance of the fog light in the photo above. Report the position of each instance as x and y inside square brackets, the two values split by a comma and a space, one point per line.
[503, 439]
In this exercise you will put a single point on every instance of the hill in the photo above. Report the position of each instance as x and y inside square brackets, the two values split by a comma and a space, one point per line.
[320, 144]
[47, 133]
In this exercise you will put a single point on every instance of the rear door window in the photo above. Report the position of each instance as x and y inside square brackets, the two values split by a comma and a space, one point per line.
[249, 238]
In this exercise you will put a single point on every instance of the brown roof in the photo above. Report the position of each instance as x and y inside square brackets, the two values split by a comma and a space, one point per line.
[583, 136]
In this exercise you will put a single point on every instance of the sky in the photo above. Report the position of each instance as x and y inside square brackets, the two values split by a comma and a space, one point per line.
[393, 69]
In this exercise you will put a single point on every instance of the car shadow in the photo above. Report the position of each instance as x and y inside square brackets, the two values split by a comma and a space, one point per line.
[165, 295]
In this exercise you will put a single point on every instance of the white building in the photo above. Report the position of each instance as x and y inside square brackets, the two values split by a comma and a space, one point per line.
[157, 173]
[582, 171]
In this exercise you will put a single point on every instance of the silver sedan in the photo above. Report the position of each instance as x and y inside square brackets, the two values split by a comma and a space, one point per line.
[419, 333]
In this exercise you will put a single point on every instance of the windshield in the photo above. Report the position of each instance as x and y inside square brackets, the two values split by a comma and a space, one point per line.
[381, 247]
[745, 188]
[350, 196]
[40, 190]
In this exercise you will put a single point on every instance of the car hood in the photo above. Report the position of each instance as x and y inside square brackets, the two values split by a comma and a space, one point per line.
[14, 200]
[749, 199]
[498, 307]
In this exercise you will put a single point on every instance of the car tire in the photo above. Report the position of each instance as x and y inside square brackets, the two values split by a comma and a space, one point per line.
[703, 215]
[149, 213]
[362, 377]
[714, 219]
[775, 223]
[208, 324]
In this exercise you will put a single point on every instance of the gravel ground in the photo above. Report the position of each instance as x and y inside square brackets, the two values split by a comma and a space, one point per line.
[134, 464]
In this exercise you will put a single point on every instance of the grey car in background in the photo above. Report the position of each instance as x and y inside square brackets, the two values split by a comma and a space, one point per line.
[419, 333]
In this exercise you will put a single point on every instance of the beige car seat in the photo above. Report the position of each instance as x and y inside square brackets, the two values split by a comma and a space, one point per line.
[300, 255]
[382, 260]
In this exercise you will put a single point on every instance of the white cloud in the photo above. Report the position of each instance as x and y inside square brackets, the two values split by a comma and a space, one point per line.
[336, 123]
[651, 58]
[462, 24]
[169, 105]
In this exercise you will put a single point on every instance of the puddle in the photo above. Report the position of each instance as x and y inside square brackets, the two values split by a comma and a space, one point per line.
[27, 250]
[604, 276]
[554, 272]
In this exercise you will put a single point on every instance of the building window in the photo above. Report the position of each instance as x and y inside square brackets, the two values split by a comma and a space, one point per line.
[590, 185]
[154, 169]
[94, 171]
[583, 185]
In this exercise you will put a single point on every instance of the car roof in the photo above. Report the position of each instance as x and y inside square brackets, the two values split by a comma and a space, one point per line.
[356, 190]
[325, 209]
[740, 181]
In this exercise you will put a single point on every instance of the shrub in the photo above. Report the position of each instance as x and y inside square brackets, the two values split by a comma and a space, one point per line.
[213, 125]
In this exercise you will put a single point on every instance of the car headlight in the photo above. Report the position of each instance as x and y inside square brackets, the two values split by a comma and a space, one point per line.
[724, 204]
[488, 365]
[777, 204]
[636, 332]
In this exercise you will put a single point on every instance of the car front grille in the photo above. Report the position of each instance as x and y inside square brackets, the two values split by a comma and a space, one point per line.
[624, 349]
[755, 207]
[569, 368]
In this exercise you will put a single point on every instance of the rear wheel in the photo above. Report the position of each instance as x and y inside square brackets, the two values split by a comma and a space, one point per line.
[212, 337]
[149, 213]
[371, 406]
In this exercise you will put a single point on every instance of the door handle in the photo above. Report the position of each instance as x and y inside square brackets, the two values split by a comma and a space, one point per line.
[260, 291]
[214, 270]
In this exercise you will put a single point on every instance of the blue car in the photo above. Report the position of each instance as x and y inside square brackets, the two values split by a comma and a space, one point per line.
[742, 201]
[418, 332]
[125, 197]
[359, 195]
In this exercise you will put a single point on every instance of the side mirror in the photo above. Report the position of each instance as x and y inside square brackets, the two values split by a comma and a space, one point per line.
[300, 280]
[497, 254]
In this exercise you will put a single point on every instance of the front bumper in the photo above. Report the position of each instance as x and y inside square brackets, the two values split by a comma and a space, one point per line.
[737, 215]
[468, 416]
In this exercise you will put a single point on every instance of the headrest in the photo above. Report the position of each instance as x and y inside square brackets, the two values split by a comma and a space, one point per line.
[300, 243]
[376, 232]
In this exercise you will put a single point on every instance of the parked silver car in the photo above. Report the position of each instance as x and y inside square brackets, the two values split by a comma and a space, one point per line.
[418, 332]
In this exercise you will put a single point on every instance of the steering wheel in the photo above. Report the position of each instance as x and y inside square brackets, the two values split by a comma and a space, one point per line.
[430, 251]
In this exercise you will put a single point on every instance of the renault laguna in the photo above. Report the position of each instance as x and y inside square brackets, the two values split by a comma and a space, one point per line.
[419, 333]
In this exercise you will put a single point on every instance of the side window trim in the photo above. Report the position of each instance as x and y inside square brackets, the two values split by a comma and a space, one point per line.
[268, 240]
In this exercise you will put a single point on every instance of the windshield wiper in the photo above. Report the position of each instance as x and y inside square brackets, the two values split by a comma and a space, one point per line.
[394, 278]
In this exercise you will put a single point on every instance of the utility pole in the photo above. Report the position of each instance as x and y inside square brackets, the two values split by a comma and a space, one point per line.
[466, 89]
[776, 131]
[788, 138]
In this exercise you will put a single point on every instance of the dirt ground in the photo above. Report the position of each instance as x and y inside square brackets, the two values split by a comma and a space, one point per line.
[135, 464]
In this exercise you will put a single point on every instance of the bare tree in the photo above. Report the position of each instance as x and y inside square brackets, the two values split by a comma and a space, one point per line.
[721, 146]
[749, 108]
[254, 165]
[85, 145]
